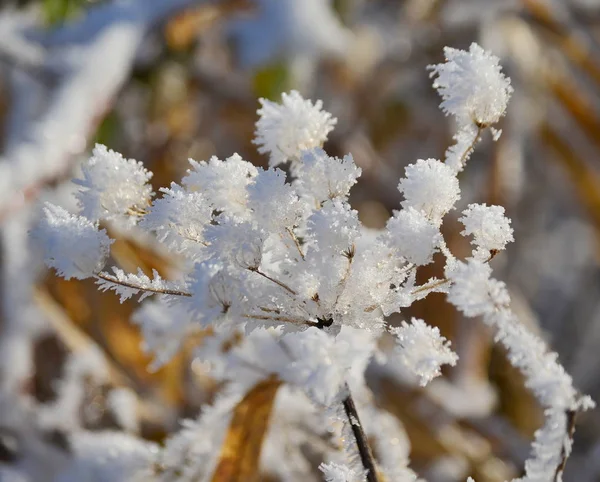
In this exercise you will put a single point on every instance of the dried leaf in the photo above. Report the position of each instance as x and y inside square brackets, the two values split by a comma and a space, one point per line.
[240, 453]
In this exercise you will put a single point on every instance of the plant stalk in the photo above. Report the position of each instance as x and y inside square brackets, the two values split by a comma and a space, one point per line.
[362, 442]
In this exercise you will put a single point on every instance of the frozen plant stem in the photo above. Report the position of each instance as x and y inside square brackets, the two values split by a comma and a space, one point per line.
[276, 281]
[113, 279]
[364, 449]
[471, 147]
[571, 419]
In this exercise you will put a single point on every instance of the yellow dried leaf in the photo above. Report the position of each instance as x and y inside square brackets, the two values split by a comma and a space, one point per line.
[240, 453]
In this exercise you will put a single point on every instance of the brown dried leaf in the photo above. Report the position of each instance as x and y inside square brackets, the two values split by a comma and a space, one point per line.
[240, 453]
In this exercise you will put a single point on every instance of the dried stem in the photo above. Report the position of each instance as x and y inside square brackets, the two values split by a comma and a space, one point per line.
[430, 286]
[276, 281]
[285, 319]
[471, 147]
[349, 255]
[571, 416]
[362, 442]
[296, 242]
[112, 279]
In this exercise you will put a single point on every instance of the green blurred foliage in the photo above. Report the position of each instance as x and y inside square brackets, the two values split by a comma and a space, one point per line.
[58, 11]
[271, 81]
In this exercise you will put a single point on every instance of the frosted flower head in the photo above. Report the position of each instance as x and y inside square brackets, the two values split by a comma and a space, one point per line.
[274, 203]
[490, 228]
[223, 183]
[72, 244]
[323, 177]
[431, 187]
[113, 188]
[240, 244]
[423, 350]
[285, 130]
[178, 219]
[472, 86]
[414, 236]
[473, 291]
[334, 228]
[212, 292]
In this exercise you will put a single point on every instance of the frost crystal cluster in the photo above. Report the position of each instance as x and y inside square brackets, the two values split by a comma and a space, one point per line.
[286, 286]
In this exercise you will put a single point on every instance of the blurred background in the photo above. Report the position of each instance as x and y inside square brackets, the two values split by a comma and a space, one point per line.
[162, 81]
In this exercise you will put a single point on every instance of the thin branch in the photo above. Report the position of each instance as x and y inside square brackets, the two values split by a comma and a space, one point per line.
[276, 281]
[430, 286]
[285, 319]
[296, 242]
[571, 418]
[269, 310]
[349, 255]
[127, 284]
[471, 147]
[362, 442]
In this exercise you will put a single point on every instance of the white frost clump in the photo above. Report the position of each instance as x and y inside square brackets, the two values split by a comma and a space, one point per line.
[113, 188]
[240, 244]
[72, 244]
[423, 349]
[275, 204]
[178, 219]
[414, 236]
[323, 177]
[321, 362]
[489, 227]
[473, 291]
[109, 457]
[223, 183]
[285, 130]
[333, 228]
[431, 187]
[472, 86]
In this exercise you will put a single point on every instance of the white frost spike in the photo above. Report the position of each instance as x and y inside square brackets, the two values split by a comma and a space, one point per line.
[473, 291]
[490, 228]
[127, 285]
[113, 188]
[472, 86]
[431, 187]
[414, 236]
[72, 244]
[285, 130]
[423, 350]
[323, 177]
[339, 473]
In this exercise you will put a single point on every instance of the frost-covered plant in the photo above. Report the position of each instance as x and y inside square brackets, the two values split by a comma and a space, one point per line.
[282, 271]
